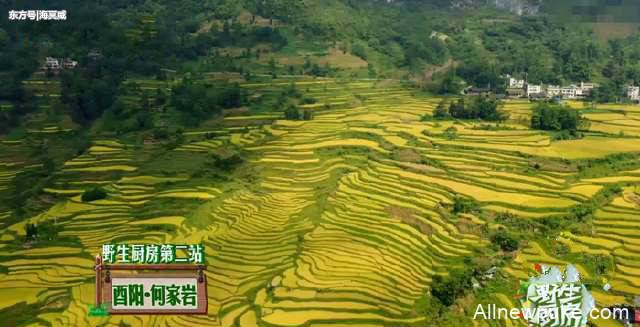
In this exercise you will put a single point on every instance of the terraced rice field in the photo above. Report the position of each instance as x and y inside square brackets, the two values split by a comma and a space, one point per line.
[345, 222]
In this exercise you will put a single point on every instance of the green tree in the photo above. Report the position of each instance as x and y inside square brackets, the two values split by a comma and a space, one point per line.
[226, 9]
[608, 92]
[307, 114]
[451, 84]
[292, 112]
[31, 231]
[551, 117]
[227, 162]
[94, 194]
[504, 240]
[484, 108]
[373, 73]
[464, 205]
[442, 110]
[448, 289]
[272, 66]
[487, 108]
[451, 133]
[457, 109]
[358, 49]
[198, 102]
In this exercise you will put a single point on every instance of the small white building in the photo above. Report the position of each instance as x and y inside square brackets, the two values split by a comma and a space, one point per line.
[515, 83]
[587, 86]
[553, 90]
[69, 64]
[51, 63]
[533, 89]
[633, 93]
[571, 92]
[56, 64]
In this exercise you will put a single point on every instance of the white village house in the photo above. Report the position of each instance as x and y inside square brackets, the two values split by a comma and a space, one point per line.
[55, 64]
[588, 86]
[533, 89]
[67, 63]
[51, 63]
[571, 92]
[516, 83]
[553, 90]
[577, 91]
[633, 92]
[520, 88]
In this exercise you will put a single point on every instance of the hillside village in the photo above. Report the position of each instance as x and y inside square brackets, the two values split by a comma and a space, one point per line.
[515, 88]
[56, 64]
[520, 88]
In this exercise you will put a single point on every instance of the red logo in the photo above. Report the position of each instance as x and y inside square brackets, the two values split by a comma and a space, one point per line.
[537, 267]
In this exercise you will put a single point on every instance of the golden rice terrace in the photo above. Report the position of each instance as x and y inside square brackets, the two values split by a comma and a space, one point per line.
[344, 219]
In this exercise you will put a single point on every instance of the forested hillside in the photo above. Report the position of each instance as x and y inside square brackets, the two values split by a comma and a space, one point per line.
[440, 48]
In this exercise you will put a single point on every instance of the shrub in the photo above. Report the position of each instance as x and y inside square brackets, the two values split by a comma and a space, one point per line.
[307, 115]
[31, 231]
[566, 135]
[561, 249]
[227, 163]
[582, 211]
[309, 100]
[359, 50]
[291, 91]
[426, 117]
[601, 264]
[451, 133]
[94, 194]
[450, 84]
[197, 102]
[160, 134]
[552, 223]
[441, 111]
[463, 205]
[47, 230]
[505, 241]
[446, 290]
[292, 113]
[483, 108]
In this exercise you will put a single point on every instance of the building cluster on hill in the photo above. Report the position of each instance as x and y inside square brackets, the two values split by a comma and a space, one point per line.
[57, 64]
[519, 88]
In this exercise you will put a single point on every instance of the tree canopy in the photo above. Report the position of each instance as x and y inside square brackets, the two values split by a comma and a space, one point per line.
[551, 117]
[480, 107]
[198, 102]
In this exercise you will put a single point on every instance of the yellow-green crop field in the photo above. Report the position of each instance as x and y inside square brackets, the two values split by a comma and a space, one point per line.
[345, 220]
